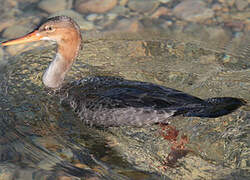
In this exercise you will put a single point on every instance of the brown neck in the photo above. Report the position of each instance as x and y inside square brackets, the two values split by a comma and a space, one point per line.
[67, 52]
[69, 47]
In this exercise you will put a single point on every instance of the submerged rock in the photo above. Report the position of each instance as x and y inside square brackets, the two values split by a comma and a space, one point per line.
[94, 6]
[52, 6]
[162, 11]
[127, 25]
[241, 4]
[141, 6]
[193, 10]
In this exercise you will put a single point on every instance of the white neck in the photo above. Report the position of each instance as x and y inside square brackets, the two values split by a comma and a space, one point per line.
[55, 73]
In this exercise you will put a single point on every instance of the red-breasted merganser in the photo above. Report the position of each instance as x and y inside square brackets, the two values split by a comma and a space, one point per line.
[112, 101]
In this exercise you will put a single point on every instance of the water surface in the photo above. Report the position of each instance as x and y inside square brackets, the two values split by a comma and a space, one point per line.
[42, 138]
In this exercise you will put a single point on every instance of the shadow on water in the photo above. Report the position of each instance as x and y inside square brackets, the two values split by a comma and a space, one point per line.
[42, 137]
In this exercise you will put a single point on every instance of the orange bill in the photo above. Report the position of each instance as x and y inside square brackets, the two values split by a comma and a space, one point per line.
[31, 37]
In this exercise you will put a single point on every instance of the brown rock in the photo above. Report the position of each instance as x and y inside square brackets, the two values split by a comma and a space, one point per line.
[52, 6]
[193, 10]
[123, 2]
[235, 25]
[160, 12]
[216, 7]
[135, 26]
[241, 4]
[230, 3]
[94, 6]
[143, 7]
[126, 25]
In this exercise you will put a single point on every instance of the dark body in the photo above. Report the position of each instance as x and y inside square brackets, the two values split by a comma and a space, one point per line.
[112, 101]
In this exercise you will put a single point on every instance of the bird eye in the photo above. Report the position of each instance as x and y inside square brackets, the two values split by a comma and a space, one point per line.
[48, 28]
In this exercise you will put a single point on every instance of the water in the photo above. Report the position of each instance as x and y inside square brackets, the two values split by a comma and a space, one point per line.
[41, 137]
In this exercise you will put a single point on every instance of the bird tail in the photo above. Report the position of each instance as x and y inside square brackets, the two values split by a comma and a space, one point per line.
[215, 107]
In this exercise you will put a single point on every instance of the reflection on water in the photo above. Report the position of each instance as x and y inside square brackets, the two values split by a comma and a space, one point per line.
[43, 138]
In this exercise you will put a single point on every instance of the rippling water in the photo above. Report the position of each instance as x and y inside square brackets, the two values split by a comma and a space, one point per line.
[43, 138]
